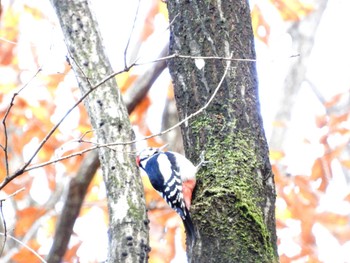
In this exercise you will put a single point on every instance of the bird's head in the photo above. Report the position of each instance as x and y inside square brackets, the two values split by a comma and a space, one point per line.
[147, 153]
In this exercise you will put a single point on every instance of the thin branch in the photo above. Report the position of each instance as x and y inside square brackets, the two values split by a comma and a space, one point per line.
[3, 219]
[26, 246]
[13, 194]
[71, 57]
[4, 228]
[185, 119]
[97, 146]
[20, 171]
[203, 57]
[6, 115]
[94, 143]
[59, 248]
[17, 93]
[172, 21]
[24, 167]
[8, 41]
[196, 57]
[32, 167]
[131, 32]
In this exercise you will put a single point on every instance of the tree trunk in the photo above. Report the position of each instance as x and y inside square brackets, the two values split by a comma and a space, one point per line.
[128, 230]
[303, 33]
[234, 202]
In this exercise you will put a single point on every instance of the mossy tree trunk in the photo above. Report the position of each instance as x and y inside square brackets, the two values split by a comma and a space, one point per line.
[234, 202]
[128, 224]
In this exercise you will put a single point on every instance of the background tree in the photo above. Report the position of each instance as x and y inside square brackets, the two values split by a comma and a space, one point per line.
[128, 228]
[38, 87]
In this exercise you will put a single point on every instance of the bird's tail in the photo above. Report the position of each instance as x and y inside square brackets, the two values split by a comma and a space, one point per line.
[190, 231]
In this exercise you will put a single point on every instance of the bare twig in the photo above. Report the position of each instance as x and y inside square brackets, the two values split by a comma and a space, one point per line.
[97, 146]
[172, 21]
[196, 57]
[4, 227]
[131, 32]
[185, 119]
[6, 115]
[26, 246]
[24, 167]
[13, 194]
[8, 41]
[78, 187]
[32, 167]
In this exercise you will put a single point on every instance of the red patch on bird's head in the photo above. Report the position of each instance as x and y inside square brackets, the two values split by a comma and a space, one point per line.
[138, 160]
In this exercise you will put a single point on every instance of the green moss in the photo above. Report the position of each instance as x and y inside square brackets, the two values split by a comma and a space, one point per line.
[229, 193]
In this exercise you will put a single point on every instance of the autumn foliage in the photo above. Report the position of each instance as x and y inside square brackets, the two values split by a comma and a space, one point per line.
[36, 92]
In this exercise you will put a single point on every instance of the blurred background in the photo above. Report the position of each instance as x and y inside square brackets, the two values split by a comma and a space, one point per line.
[303, 67]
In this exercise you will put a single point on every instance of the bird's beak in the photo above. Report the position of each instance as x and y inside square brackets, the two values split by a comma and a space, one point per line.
[163, 146]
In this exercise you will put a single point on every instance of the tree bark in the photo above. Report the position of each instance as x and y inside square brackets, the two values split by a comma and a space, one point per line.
[234, 202]
[128, 229]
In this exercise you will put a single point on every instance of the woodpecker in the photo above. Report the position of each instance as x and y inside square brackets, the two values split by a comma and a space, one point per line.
[174, 178]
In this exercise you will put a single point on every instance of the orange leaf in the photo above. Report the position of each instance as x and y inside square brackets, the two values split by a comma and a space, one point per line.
[347, 198]
[319, 172]
[321, 121]
[337, 224]
[9, 31]
[25, 255]
[148, 23]
[261, 28]
[25, 219]
[71, 253]
[336, 120]
[50, 225]
[301, 181]
[292, 10]
[170, 94]
[334, 153]
[329, 219]
[140, 110]
[16, 185]
[306, 233]
[125, 80]
[280, 224]
[333, 101]
[2, 167]
[342, 234]
[170, 238]
[317, 169]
